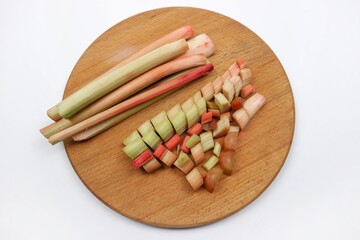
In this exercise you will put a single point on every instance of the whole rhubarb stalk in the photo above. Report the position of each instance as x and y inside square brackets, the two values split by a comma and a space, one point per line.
[184, 32]
[130, 103]
[101, 86]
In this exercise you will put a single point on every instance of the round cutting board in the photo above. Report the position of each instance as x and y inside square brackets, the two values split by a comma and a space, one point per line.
[165, 198]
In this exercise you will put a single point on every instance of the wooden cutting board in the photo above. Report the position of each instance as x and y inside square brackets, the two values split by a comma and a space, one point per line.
[165, 198]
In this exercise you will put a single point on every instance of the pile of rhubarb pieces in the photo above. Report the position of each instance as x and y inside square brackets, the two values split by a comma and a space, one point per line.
[199, 136]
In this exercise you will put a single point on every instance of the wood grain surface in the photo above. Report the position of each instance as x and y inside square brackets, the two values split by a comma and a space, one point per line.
[164, 198]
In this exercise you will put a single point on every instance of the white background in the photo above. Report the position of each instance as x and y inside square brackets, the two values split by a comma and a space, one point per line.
[315, 196]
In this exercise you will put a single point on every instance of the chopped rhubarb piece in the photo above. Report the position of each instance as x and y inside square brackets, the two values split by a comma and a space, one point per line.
[241, 63]
[247, 91]
[183, 146]
[195, 179]
[159, 152]
[213, 124]
[215, 113]
[152, 165]
[206, 117]
[212, 179]
[226, 162]
[142, 159]
[237, 103]
[173, 142]
[196, 129]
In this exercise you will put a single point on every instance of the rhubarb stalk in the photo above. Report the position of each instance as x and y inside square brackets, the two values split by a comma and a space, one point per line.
[185, 32]
[107, 83]
[131, 102]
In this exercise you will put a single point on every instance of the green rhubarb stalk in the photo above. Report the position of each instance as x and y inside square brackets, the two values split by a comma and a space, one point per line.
[131, 102]
[107, 83]
[184, 32]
